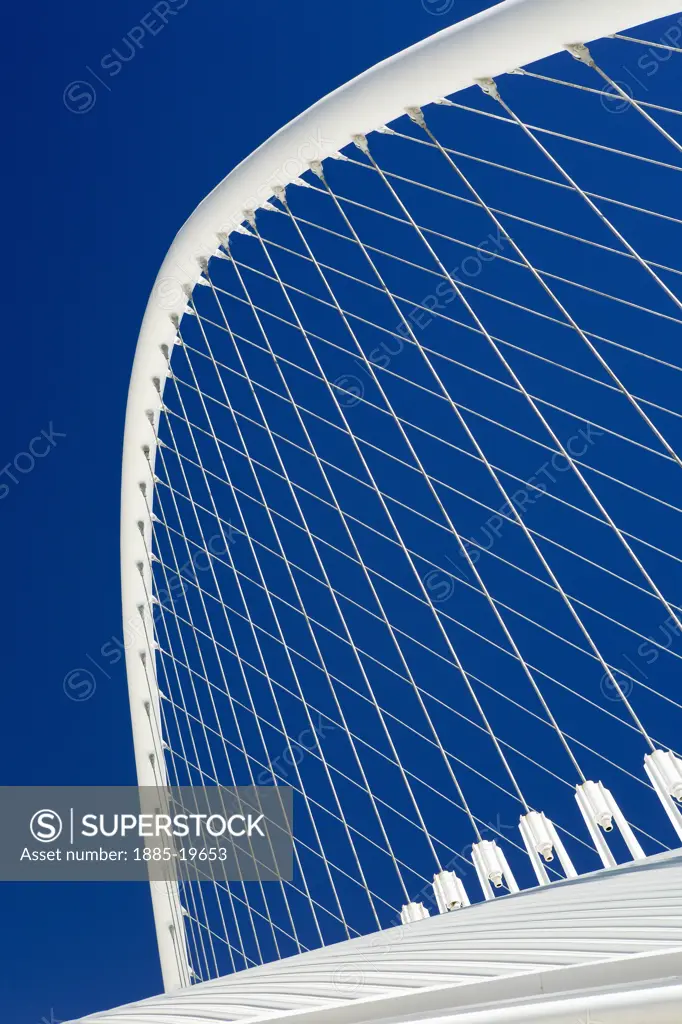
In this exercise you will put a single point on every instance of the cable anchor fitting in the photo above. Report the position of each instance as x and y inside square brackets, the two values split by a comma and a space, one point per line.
[449, 892]
[600, 812]
[664, 769]
[416, 114]
[413, 912]
[489, 87]
[491, 866]
[541, 840]
[581, 53]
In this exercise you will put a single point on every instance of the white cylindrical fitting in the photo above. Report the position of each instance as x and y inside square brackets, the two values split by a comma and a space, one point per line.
[668, 767]
[542, 841]
[539, 834]
[413, 912]
[492, 867]
[600, 811]
[449, 892]
[596, 803]
[665, 772]
[488, 857]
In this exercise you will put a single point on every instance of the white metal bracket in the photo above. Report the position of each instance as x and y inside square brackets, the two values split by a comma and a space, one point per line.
[449, 892]
[413, 912]
[541, 840]
[492, 867]
[665, 771]
[600, 810]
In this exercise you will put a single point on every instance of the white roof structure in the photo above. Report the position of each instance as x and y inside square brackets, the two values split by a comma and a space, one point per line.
[604, 948]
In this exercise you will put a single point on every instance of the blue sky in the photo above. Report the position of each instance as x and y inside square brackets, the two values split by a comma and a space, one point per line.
[101, 169]
[94, 200]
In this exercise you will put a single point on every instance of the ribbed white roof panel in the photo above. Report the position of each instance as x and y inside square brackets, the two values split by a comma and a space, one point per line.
[568, 938]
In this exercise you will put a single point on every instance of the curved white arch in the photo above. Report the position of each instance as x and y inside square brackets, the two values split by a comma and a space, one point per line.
[509, 35]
